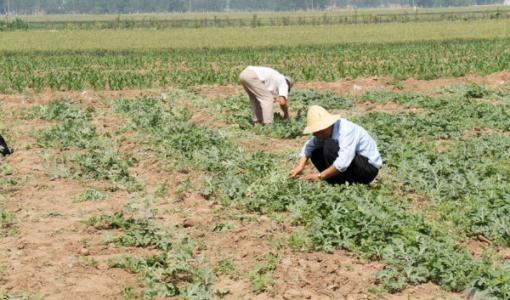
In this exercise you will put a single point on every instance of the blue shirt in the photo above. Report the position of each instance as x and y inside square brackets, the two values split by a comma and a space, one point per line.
[352, 139]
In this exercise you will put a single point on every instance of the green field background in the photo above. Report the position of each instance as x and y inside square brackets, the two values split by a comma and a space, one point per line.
[250, 37]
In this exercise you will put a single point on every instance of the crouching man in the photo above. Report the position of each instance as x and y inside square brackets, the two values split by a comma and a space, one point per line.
[340, 150]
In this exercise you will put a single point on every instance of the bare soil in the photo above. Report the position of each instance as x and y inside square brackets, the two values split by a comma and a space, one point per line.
[89, 97]
[481, 131]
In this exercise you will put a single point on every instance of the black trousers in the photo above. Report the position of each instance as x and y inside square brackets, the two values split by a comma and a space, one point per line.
[4, 150]
[359, 171]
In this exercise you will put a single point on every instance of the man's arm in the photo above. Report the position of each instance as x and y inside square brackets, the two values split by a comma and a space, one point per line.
[299, 167]
[347, 143]
[284, 106]
[283, 93]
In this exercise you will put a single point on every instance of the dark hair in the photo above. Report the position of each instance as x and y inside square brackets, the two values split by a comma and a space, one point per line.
[288, 84]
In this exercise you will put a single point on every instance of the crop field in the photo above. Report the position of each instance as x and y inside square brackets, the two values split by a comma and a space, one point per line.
[238, 37]
[136, 172]
[101, 69]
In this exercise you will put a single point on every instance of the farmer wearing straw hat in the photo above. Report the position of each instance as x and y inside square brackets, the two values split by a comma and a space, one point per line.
[340, 150]
[265, 86]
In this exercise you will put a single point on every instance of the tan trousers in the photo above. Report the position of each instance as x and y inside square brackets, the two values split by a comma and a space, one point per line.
[261, 99]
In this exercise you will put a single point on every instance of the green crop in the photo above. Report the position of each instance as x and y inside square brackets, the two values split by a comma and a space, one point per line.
[115, 70]
[85, 153]
[95, 158]
[370, 221]
[239, 38]
[172, 272]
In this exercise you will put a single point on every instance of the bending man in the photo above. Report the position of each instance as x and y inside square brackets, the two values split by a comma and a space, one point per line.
[340, 150]
[263, 85]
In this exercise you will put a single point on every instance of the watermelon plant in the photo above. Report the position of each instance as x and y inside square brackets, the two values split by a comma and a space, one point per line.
[372, 222]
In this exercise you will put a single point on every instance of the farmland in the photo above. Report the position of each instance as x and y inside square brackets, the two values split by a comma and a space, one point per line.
[100, 69]
[238, 37]
[137, 173]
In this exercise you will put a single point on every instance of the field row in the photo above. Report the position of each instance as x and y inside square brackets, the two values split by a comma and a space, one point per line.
[93, 159]
[116, 70]
[275, 36]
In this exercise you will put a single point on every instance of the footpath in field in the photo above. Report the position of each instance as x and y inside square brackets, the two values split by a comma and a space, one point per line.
[78, 209]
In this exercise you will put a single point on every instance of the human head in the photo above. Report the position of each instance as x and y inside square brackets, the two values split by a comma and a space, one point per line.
[324, 133]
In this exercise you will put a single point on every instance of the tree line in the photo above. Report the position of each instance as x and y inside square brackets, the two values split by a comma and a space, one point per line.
[139, 6]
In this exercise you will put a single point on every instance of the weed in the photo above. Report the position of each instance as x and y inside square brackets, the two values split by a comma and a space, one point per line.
[227, 267]
[7, 221]
[298, 241]
[476, 91]
[161, 191]
[261, 278]
[221, 293]
[91, 194]
[396, 83]
[184, 189]
[87, 261]
[219, 227]
[129, 293]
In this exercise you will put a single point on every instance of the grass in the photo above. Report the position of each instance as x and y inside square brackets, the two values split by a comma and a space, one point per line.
[251, 37]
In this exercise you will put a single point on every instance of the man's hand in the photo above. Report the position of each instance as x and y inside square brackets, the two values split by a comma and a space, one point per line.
[299, 168]
[285, 108]
[313, 177]
[296, 172]
[282, 101]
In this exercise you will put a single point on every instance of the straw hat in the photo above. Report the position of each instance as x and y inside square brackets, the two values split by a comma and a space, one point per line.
[318, 119]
